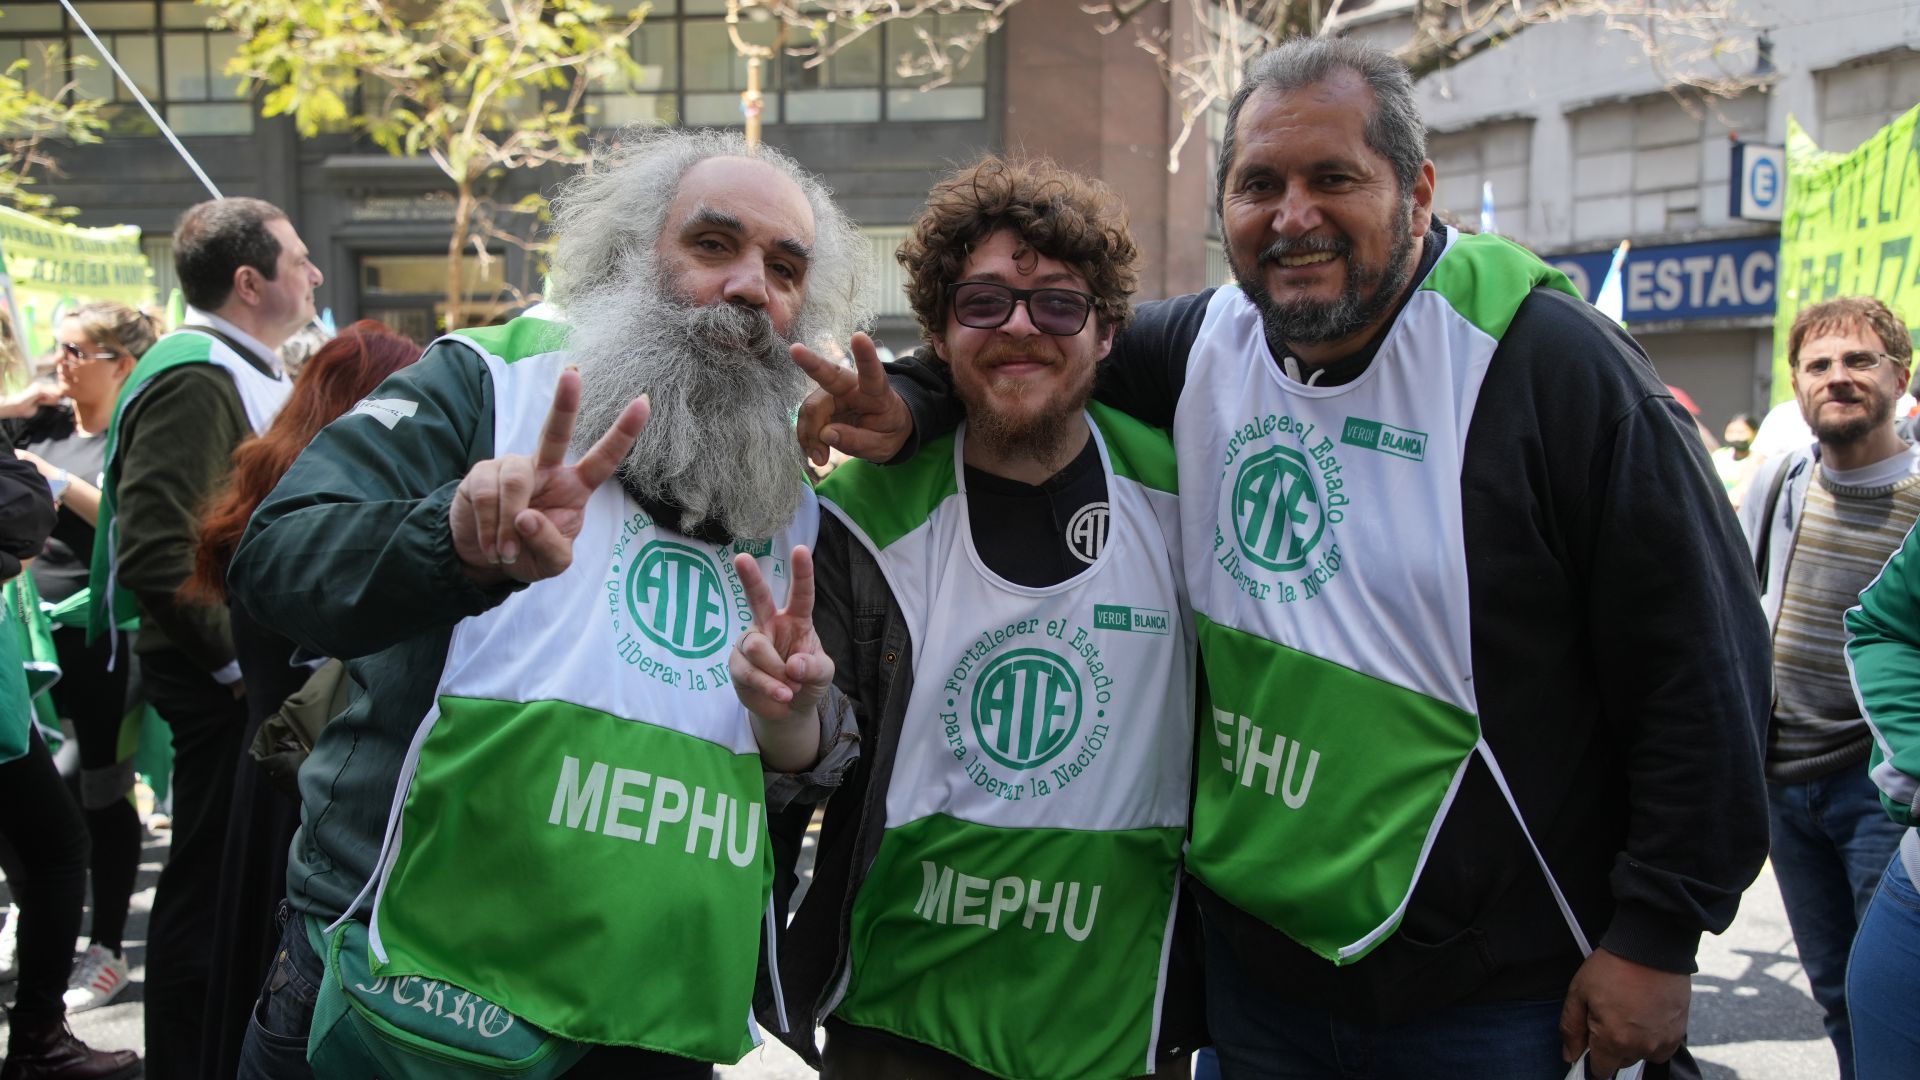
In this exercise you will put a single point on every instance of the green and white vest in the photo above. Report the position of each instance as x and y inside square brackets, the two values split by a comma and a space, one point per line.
[578, 833]
[261, 396]
[1327, 564]
[1018, 914]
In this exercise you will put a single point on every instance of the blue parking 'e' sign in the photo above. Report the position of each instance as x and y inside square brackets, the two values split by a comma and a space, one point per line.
[1759, 188]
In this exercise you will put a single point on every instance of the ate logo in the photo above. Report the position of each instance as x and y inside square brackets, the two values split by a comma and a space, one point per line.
[676, 598]
[1087, 532]
[1026, 708]
[1277, 513]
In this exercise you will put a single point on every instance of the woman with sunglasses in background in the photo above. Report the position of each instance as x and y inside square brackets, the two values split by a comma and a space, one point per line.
[99, 344]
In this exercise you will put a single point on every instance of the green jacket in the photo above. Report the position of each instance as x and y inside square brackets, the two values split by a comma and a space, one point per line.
[350, 557]
[1884, 655]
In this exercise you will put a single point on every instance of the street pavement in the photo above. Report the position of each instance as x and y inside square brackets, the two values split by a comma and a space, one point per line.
[1752, 1016]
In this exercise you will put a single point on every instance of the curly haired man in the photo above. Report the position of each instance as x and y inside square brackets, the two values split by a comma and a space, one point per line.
[1006, 612]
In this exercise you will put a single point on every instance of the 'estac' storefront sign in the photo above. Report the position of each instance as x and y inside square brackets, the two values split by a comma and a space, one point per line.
[1717, 279]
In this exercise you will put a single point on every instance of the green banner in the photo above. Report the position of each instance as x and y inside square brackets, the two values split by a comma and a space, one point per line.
[53, 268]
[1849, 228]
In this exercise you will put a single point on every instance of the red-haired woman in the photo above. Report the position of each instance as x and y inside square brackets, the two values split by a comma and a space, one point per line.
[254, 868]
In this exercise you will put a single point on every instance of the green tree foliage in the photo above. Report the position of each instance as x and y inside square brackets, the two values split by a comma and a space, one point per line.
[31, 124]
[479, 87]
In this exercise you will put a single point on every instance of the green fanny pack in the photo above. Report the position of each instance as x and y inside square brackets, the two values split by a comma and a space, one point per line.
[413, 1028]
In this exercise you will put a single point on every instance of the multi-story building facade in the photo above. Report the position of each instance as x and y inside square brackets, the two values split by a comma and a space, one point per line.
[1048, 83]
[1584, 147]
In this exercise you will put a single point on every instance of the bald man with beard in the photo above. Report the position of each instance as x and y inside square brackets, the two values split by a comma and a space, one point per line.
[547, 799]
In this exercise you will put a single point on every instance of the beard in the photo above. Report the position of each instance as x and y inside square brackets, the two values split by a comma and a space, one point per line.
[1365, 295]
[1848, 432]
[719, 443]
[994, 418]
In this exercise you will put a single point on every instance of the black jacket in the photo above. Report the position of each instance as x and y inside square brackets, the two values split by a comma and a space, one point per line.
[26, 513]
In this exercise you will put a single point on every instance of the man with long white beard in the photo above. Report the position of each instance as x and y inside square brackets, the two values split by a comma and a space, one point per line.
[537, 836]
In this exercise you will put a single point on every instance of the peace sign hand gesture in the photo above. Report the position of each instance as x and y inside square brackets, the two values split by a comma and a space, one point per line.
[855, 412]
[779, 669]
[514, 518]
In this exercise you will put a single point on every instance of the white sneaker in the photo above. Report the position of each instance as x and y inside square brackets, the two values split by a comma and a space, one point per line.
[97, 979]
[10, 945]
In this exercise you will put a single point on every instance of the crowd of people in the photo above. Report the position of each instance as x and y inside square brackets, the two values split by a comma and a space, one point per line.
[1356, 671]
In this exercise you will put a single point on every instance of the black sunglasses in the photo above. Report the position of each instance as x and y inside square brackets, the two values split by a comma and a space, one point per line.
[987, 305]
[73, 352]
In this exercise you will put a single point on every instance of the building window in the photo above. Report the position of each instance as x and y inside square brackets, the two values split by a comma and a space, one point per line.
[691, 74]
[964, 97]
[1464, 162]
[1859, 100]
[647, 97]
[177, 62]
[844, 88]
[409, 292]
[713, 74]
[1656, 166]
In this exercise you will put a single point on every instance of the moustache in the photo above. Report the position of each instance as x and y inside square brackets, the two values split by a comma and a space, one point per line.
[1030, 352]
[735, 327]
[1305, 245]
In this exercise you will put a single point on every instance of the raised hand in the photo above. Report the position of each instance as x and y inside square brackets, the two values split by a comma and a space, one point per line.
[28, 399]
[854, 412]
[514, 518]
[780, 672]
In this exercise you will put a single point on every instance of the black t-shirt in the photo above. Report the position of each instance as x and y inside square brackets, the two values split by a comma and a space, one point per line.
[1040, 535]
[61, 568]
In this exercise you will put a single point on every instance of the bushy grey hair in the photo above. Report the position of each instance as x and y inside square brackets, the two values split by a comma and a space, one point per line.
[608, 219]
[1395, 131]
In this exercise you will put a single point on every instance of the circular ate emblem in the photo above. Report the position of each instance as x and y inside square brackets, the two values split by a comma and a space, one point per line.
[676, 598]
[1026, 708]
[1087, 532]
[1277, 512]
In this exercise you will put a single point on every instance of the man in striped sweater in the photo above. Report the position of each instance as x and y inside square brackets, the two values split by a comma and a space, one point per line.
[1822, 521]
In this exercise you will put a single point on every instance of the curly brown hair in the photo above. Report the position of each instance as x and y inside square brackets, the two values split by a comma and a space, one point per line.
[1851, 313]
[1060, 214]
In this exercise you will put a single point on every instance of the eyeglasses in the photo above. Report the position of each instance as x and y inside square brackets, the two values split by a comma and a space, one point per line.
[72, 352]
[987, 305]
[1862, 360]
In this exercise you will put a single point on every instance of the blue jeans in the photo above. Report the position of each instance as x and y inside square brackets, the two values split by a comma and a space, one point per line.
[1881, 981]
[276, 1043]
[1831, 843]
[1259, 1036]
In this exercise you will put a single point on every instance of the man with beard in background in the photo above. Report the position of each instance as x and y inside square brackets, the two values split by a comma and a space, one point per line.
[1821, 521]
[546, 799]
